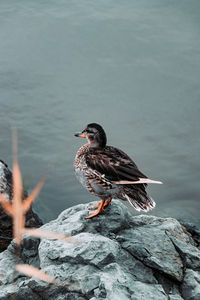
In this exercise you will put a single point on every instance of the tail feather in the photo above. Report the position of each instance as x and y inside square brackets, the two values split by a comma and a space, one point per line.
[141, 203]
[141, 180]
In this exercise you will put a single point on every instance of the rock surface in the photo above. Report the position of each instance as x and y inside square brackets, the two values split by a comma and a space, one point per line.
[114, 256]
[32, 220]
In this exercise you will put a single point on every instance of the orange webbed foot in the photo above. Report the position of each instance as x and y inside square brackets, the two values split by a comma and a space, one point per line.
[93, 214]
[106, 203]
[94, 206]
[96, 212]
[101, 205]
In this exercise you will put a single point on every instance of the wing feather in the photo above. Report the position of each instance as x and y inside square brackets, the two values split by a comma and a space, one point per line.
[114, 164]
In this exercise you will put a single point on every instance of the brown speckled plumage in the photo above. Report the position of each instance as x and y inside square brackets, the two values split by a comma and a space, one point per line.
[108, 172]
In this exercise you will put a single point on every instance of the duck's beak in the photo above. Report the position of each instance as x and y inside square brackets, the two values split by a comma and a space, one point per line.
[80, 134]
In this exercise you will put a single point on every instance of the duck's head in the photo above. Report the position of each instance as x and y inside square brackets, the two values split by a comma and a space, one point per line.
[94, 134]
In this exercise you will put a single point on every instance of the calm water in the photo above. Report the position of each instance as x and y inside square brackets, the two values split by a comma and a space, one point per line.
[132, 66]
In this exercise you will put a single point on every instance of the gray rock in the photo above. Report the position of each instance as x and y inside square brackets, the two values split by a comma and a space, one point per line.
[7, 262]
[194, 230]
[149, 240]
[175, 297]
[93, 249]
[191, 285]
[7, 291]
[188, 252]
[150, 292]
[113, 256]
[170, 287]
[26, 293]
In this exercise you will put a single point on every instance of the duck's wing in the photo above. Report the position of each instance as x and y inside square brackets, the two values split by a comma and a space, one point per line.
[116, 166]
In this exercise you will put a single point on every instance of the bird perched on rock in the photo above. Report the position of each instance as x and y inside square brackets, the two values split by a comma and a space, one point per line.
[108, 172]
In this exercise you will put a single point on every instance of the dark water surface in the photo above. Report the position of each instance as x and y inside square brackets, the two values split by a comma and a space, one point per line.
[132, 66]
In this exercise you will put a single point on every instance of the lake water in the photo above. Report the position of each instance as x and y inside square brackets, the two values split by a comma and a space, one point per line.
[132, 66]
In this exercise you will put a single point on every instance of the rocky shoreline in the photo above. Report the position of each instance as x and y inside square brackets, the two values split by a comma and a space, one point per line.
[115, 256]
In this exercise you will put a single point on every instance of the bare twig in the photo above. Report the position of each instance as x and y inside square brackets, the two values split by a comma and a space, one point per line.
[31, 271]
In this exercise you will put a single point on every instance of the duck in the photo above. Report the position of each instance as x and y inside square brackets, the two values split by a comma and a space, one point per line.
[109, 173]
